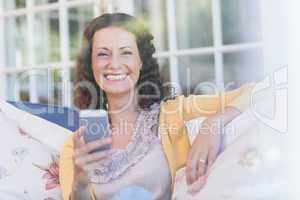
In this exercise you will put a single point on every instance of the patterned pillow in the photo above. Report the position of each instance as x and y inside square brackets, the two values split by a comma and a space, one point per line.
[193, 126]
[28, 169]
[29, 151]
[249, 167]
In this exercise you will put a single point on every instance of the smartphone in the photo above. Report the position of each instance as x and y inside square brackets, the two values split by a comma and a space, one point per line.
[97, 127]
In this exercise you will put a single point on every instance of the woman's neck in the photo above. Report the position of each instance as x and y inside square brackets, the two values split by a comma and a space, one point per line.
[122, 106]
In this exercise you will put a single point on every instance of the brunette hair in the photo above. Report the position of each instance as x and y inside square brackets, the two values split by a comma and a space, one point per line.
[149, 83]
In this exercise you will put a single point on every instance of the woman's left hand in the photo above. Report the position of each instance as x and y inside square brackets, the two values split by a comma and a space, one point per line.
[206, 147]
[202, 154]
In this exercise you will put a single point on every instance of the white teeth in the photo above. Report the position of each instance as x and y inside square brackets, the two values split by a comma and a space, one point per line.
[116, 77]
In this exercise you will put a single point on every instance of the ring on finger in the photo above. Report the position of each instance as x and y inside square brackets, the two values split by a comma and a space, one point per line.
[202, 161]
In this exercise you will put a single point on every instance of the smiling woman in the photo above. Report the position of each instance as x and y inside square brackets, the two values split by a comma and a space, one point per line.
[115, 60]
[117, 48]
[118, 62]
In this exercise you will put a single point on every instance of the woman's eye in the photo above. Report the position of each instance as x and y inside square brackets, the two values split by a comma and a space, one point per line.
[127, 53]
[102, 54]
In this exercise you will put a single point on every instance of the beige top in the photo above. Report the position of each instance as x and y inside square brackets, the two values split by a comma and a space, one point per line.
[173, 133]
[142, 163]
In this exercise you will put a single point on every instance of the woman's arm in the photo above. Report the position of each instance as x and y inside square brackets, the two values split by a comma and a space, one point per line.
[206, 145]
[81, 193]
[76, 162]
[207, 105]
[215, 123]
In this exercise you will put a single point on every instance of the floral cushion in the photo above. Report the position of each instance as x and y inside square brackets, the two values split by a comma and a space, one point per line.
[28, 165]
[249, 167]
[193, 126]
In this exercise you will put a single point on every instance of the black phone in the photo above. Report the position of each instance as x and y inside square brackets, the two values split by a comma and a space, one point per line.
[97, 127]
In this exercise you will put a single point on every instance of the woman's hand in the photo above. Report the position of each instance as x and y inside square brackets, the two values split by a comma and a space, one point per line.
[206, 147]
[84, 162]
[203, 152]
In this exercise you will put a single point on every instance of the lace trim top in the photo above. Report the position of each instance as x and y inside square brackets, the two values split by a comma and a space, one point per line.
[144, 137]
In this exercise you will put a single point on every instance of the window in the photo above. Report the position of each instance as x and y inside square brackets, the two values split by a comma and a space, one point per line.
[41, 41]
[197, 42]
[210, 41]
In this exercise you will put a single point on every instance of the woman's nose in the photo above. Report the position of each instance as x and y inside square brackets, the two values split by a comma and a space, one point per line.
[115, 62]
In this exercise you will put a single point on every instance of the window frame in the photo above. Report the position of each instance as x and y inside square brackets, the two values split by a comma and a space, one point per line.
[172, 53]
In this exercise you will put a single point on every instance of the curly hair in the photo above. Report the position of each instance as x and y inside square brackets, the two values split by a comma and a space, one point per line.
[149, 84]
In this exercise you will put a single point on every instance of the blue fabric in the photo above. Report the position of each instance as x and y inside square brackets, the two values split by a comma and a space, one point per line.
[133, 193]
[65, 117]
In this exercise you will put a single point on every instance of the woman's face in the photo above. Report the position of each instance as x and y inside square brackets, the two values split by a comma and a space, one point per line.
[116, 61]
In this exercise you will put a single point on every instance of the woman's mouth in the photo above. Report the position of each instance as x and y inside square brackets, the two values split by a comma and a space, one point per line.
[115, 77]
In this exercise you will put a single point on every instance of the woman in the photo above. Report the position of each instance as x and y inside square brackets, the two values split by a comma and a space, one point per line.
[118, 61]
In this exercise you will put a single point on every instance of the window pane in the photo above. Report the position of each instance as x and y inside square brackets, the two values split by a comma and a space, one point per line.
[38, 2]
[72, 79]
[164, 70]
[46, 27]
[17, 87]
[12, 87]
[154, 13]
[15, 33]
[241, 21]
[78, 19]
[242, 67]
[57, 78]
[194, 23]
[49, 85]
[196, 74]
[14, 4]
[24, 87]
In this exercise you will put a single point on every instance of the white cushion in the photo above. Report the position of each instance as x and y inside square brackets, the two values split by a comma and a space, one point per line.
[29, 151]
[250, 166]
[45, 131]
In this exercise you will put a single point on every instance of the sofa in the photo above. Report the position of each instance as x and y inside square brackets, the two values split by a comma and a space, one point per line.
[249, 166]
[32, 136]
[55, 114]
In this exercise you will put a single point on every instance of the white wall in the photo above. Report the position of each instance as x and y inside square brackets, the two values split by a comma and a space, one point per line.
[2, 57]
[294, 91]
[275, 34]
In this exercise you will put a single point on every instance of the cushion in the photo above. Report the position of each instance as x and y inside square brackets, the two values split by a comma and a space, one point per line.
[250, 165]
[63, 116]
[29, 155]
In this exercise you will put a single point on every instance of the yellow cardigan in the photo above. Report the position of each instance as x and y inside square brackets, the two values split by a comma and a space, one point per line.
[173, 133]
